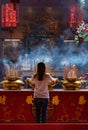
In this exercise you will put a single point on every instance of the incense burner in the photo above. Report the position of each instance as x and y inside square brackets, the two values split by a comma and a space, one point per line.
[71, 84]
[12, 83]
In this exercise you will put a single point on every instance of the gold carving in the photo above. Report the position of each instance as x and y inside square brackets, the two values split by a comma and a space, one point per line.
[2, 99]
[55, 100]
[20, 115]
[82, 100]
[29, 100]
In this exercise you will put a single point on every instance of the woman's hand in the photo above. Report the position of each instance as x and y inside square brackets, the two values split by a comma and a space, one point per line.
[53, 83]
[29, 83]
[56, 81]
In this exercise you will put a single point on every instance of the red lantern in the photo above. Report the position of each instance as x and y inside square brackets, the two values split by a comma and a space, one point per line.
[9, 15]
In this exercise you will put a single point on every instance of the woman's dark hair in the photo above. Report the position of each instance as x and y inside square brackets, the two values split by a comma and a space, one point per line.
[40, 70]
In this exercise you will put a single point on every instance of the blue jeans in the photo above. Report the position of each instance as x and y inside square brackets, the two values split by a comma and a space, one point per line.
[41, 109]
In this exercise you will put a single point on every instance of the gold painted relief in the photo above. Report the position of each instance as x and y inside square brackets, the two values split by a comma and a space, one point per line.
[6, 114]
[82, 100]
[55, 100]
[29, 100]
[78, 111]
[20, 115]
[3, 99]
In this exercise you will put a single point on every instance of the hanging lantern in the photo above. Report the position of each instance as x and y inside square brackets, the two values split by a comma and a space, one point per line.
[9, 15]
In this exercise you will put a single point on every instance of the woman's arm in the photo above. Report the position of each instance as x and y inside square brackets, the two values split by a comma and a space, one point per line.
[28, 81]
[52, 81]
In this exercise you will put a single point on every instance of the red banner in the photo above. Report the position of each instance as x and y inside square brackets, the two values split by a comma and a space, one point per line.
[75, 15]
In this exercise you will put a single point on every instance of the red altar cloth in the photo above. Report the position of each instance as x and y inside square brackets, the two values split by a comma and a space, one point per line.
[64, 106]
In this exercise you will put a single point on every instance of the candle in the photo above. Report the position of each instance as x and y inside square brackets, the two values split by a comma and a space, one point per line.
[7, 71]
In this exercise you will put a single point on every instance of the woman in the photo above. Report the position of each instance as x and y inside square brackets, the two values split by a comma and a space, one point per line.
[41, 93]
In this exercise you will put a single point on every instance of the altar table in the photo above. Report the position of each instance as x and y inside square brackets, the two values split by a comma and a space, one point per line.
[65, 106]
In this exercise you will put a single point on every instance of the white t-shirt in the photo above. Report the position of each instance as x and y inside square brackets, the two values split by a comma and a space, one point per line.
[41, 87]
